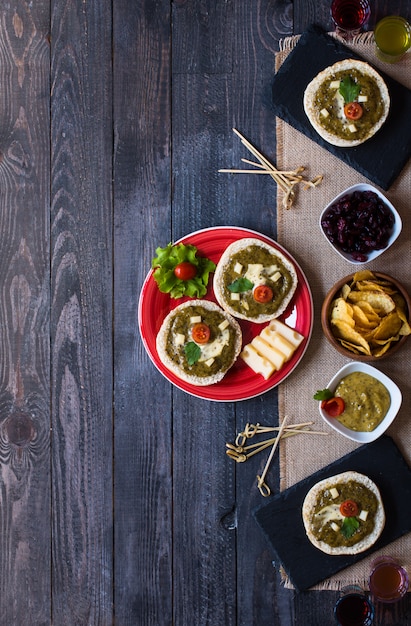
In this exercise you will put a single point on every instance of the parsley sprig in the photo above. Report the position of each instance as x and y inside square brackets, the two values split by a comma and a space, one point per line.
[349, 89]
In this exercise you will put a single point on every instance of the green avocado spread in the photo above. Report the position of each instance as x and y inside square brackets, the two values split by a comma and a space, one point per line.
[259, 266]
[328, 98]
[366, 401]
[215, 356]
[326, 513]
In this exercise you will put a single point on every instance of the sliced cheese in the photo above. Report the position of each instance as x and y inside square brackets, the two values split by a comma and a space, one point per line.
[213, 348]
[352, 128]
[271, 353]
[283, 345]
[334, 84]
[258, 363]
[235, 296]
[290, 334]
[334, 493]
[254, 272]
[276, 343]
[330, 513]
[362, 98]
[363, 515]
[238, 268]
[324, 113]
[224, 324]
[195, 319]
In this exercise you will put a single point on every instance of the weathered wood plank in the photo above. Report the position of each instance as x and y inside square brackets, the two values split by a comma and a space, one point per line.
[24, 315]
[81, 312]
[142, 397]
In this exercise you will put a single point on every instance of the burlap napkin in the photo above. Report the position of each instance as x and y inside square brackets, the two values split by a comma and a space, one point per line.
[299, 233]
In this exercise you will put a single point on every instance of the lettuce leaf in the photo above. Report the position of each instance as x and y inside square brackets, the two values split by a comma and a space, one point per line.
[168, 258]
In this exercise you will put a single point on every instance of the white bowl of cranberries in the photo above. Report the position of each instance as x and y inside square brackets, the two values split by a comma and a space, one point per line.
[360, 223]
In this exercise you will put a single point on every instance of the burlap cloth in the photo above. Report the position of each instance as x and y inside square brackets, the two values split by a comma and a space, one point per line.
[299, 233]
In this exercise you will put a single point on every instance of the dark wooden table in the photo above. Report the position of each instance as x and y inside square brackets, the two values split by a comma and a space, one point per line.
[118, 504]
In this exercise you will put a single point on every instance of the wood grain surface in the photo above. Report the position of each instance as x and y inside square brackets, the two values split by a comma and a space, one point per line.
[118, 505]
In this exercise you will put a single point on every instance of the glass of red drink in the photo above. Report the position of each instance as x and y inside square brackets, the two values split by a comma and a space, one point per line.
[350, 16]
[353, 608]
[388, 580]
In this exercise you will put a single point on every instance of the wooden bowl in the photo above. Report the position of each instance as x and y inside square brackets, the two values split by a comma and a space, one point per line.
[326, 325]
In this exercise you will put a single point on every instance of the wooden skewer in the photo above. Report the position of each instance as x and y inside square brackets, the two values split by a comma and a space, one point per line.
[285, 179]
[263, 487]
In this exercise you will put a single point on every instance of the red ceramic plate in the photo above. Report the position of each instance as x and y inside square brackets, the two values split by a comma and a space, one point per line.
[240, 382]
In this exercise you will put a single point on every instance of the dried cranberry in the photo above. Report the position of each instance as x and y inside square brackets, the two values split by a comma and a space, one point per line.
[358, 224]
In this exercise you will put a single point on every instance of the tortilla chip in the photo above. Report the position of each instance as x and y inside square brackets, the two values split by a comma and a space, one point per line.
[348, 333]
[381, 302]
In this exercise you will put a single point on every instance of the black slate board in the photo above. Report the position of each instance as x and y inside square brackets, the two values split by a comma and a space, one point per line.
[380, 158]
[281, 520]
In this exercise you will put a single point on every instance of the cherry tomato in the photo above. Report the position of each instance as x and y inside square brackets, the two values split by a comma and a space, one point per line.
[334, 406]
[200, 333]
[263, 294]
[349, 508]
[185, 270]
[353, 110]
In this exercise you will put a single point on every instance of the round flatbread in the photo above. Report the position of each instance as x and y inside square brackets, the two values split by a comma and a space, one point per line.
[199, 364]
[324, 105]
[247, 264]
[327, 528]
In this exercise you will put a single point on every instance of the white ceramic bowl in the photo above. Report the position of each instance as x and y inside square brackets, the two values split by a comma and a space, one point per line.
[396, 399]
[395, 231]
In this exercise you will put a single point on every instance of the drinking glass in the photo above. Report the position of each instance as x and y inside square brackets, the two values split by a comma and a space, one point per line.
[388, 580]
[392, 36]
[353, 608]
[350, 16]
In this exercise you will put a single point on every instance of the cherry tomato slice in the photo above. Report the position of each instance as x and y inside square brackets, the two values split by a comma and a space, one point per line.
[353, 110]
[334, 406]
[185, 270]
[263, 294]
[200, 333]
[349, 508]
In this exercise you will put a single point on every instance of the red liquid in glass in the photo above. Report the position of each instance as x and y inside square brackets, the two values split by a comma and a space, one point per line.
[353, 610]
[350, 14]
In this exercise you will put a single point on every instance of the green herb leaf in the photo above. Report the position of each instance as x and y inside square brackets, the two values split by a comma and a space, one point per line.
[323, 394]
[349, 526]
[349, 89]
[240, 285]
[193, 352]
[168, 258]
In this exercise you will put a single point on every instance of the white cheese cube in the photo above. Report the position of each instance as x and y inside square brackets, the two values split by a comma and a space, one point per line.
[223, 325]
[258, 364]
[238, 268]
[334, 493]
[324, 113]
[235, 296]
[276, 277]
[362, 98]
[196, 319]
[209, 362]
[179, 339]
[335, 527]
[352, 128]
[334, 84]
[363, 515]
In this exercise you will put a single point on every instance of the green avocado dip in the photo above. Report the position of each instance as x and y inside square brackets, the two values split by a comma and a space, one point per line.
[326, 514]
[366, 401]
[328, 98]
[258, 266]
[215, 356]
